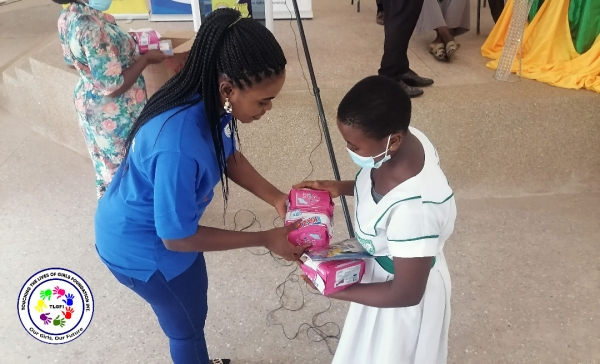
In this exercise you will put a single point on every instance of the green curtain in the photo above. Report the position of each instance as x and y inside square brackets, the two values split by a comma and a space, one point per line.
[535, 7]
[584, 21]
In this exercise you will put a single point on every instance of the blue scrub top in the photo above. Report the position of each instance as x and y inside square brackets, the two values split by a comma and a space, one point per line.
[160, 193]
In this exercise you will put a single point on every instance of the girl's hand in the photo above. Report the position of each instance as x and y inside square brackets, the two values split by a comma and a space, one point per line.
[154, 56]
[308, 282]
[333, 187]
[280, 205]
[305, 277]
[278, 243]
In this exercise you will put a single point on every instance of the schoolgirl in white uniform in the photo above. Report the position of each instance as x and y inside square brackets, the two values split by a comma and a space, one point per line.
[404, 213]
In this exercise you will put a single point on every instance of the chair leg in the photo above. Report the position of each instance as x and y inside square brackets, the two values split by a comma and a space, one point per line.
[358, 6]
[478, 16]
[351, 2]
[484, 3]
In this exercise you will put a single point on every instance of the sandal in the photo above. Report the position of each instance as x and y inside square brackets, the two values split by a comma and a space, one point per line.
[437, 51]
[451, 48]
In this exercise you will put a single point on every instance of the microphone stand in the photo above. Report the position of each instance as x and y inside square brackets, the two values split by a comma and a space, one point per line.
[336, 172]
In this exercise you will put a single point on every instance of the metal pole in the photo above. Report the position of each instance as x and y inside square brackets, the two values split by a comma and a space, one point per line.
[197, 13]
[269, 15]
[478, 16]
[336, 172]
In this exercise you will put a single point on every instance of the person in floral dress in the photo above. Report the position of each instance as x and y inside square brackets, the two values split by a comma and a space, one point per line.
[111, 91]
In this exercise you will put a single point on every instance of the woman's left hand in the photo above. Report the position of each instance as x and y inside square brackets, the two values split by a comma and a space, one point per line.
[280, 205]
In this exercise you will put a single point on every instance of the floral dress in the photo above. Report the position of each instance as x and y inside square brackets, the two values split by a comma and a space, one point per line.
[94, 44]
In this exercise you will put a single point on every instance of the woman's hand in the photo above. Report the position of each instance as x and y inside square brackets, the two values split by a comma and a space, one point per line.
[207, 239]
[154, 56]
[244, 175]
[278, 243]
[132, 73]
[333, 187]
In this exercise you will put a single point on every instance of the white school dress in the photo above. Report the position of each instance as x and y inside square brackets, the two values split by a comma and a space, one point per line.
[413, 220]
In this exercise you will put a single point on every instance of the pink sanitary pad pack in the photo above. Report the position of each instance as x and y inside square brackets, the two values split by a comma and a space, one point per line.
[334, 275]
[315, 235]
[315, 210]
[307, 200]
[148, 39]
[308, 219]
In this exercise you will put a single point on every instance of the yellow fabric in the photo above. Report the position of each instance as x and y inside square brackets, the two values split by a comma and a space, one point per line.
[548, 52]
[125, 7]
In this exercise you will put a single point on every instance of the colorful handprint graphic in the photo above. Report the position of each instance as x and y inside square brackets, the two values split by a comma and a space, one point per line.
[59, 321]
[41, 306]
[46, 294]
[50, 295]
[45, 317]
[69, 299]
[68, 312]
[58, 292]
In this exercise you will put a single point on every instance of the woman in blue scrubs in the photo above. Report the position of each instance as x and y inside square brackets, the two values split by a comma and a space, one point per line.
[181, 146]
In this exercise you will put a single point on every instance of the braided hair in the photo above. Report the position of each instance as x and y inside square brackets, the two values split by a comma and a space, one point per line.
[226, 44]
[377, 106]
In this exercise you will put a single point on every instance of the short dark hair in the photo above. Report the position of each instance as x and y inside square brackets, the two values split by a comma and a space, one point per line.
[378, 106]
[64, 2]
[226, 44]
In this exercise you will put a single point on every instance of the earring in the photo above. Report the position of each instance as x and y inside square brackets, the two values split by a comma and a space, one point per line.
[228, 107]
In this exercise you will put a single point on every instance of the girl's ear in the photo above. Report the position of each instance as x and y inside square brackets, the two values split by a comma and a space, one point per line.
[395, 141]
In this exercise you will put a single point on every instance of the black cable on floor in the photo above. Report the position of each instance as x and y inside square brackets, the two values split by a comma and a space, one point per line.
[314, 331]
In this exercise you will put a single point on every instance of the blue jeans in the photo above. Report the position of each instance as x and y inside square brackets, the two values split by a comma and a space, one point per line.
[181, 307]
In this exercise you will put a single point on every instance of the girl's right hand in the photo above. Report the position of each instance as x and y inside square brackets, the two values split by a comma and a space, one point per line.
[155, 56]
[276, 240]
[333, 187]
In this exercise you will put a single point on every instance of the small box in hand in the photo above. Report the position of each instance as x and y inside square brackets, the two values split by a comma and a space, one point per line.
[315, 209]
[146, 39]
[335, 275]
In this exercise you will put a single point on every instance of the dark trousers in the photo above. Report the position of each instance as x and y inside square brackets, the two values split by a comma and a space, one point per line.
[496, 8]
[401, 17]
[180, 306]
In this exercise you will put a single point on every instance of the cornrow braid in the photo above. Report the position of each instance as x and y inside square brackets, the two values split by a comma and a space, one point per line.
[242, 49]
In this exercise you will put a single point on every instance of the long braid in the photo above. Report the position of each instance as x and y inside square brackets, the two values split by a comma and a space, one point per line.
[241, 49]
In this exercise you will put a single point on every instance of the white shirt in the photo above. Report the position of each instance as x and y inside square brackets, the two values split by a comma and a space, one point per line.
[414, 219]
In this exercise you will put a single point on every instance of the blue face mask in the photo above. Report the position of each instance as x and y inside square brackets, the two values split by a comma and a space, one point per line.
[101, 5]
[369, 162]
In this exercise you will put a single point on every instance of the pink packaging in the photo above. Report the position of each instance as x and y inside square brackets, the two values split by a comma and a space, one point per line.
[315, 235]
[146, 39]
[334, 275]
[307, 200]
[308, 219]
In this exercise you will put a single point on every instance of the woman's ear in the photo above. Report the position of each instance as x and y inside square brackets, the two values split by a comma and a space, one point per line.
[225, 87]
[395, 141]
